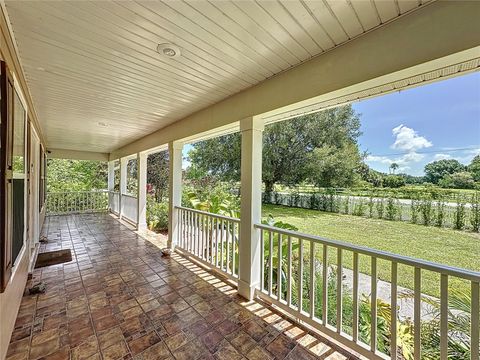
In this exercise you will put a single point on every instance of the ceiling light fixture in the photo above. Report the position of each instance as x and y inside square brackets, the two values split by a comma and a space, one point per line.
[169, 50]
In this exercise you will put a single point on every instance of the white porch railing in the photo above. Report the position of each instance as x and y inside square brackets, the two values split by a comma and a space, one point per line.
[114, 201]
[129, 206]
[212, 239]
[299, 251]
[76, 202]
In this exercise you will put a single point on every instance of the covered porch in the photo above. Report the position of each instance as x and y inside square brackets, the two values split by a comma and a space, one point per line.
[116, 81]
[120, 298]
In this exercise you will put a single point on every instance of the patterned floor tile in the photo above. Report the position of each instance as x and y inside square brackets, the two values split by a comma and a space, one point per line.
[119, 298]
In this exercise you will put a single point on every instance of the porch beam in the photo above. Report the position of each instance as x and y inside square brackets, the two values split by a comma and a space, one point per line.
[174, 191]
[76, 155]
[250, 206]
[142, 191]
[123, 184]
[440, 34]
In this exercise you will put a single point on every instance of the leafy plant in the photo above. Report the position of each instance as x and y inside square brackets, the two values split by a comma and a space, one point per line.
[274, 252]
[440, 213]
[414, 210]
[459, 217]
[426, 211]
[391, 208]
[380, 208]
[157, 214]
[475, 212]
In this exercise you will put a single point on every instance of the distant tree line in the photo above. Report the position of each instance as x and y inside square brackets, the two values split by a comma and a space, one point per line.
[449, 173]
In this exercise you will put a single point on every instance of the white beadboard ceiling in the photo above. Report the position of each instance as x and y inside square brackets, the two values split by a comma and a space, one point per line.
[98, 83]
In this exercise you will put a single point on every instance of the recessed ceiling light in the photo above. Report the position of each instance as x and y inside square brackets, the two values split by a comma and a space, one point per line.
[169, 50]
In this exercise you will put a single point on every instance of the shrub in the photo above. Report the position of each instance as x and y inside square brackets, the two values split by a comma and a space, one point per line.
[459, 218]
[458, 180]
[426, 211]
[414, 210]
[380, 208]
[440, 213]
[370, 205]
[393, 181]
[346, 205]
[157, 214]
[359, 208]
[391, 209]
[475, 212]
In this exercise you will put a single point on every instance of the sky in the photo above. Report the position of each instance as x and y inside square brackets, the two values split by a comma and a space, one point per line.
[416, 126]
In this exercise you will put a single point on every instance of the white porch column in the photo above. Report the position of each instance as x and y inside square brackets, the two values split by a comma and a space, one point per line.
[123, 184]
[111, 182]
[251, 206]
[142, 191]
[175, 190]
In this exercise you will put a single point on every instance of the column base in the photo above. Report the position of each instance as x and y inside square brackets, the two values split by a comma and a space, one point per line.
[246, 290]
[142, 226]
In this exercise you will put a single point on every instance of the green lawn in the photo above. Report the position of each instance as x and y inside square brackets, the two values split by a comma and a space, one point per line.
[440, 245]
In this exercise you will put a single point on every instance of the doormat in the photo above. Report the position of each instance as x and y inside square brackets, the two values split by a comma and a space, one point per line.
[53, 258]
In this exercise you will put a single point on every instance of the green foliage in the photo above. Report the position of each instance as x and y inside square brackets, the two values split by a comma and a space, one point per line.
[212, 197]
[458, 180]
[475, 212]
[440, 213]
[393, 181]
[76, 175]
[437, 170]
[291, 151]
[474, 168]
[157, 174]
[391, 209]
[426, 211]
[359, 208]
[333, 166]
[459, 216]
[380, 208]
[414, 210]
[157, 214]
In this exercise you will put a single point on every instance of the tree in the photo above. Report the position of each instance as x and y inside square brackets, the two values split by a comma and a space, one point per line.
[474, 168]
[76, 175]
[394, 167]
[458, 180]
[330, 167]
[288, 147]
[436, 170]
[393, 181]
[157, 173]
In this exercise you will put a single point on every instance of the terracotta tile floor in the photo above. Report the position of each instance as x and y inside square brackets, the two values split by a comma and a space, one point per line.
[120, 299]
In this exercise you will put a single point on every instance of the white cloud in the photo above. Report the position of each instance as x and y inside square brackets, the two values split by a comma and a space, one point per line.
[400, 160]
[412, 157]
[442, 156]
[407, 139]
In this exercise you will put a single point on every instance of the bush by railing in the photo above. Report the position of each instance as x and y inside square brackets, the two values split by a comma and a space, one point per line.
[77, 202]
[464, 214]
[313, 279]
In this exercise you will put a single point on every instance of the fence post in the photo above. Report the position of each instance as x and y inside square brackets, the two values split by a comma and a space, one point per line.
[251, 206]
[174, 191]
[123, 184]
[141, 191]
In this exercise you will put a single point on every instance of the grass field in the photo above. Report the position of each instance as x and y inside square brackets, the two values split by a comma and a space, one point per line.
[440, 245]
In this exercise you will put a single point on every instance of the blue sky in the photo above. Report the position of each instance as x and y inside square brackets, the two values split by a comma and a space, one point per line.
[416, 126]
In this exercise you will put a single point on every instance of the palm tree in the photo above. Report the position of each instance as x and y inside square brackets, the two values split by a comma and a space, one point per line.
[394, 166]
